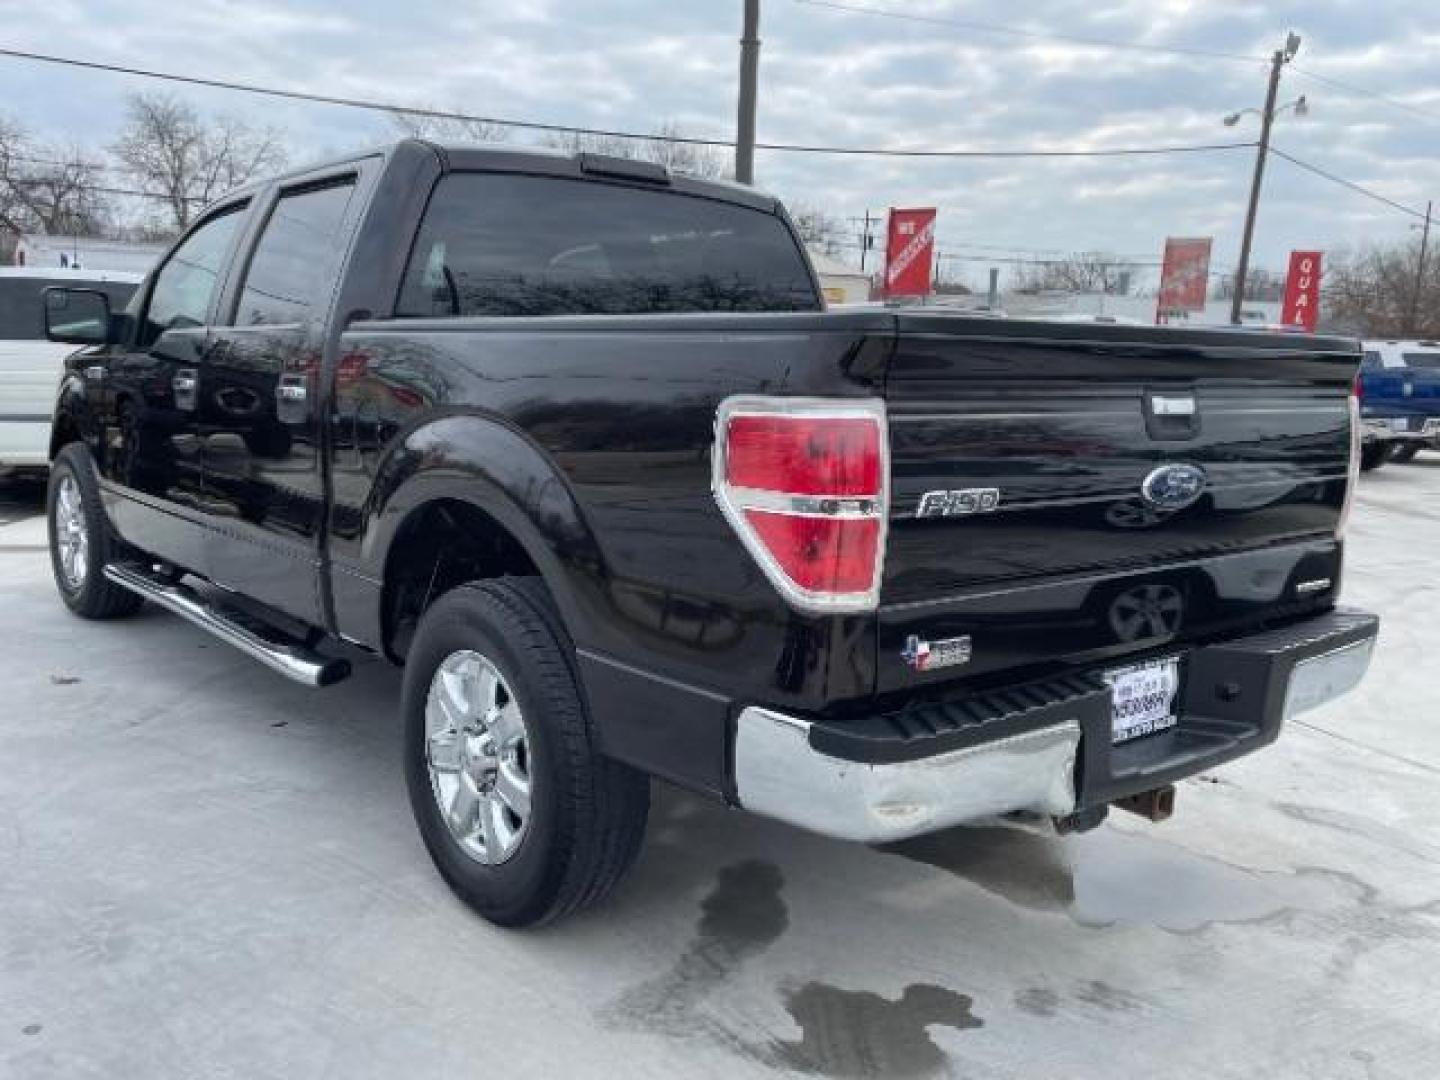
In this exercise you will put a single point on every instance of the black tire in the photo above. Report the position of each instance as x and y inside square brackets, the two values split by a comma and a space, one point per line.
[587, 812]
[1373, 456]
[1405, 452]
[90, 594]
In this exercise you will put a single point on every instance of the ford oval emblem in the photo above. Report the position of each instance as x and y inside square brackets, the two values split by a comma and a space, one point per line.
[1173, 487]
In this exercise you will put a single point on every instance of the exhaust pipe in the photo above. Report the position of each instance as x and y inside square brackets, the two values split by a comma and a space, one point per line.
[1157, 805]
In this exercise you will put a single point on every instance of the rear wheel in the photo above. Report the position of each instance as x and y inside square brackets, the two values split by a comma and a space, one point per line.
[1405, 452]
[1374, 455]
[81, 542]
[520, 813]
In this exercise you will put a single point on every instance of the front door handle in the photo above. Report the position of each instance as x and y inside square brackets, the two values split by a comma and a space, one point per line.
[185, 384]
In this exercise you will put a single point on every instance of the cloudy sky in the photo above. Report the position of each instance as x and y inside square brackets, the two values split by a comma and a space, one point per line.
[840, 78]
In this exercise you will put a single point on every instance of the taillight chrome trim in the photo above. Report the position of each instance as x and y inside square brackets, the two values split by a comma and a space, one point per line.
[734, 501]
[1352, 472]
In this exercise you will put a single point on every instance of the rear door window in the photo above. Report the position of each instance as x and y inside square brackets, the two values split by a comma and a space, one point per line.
[497, 244]
[288, 275]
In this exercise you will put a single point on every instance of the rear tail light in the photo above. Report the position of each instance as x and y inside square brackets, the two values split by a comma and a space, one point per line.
[1352, 473]
[804, 483]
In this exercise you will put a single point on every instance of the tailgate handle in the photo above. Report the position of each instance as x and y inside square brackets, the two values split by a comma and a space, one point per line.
[1174, 404]
[1171, 415]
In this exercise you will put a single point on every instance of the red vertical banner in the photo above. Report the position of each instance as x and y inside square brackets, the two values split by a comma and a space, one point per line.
[1302, 291]
[1183, 277]
[910, 252]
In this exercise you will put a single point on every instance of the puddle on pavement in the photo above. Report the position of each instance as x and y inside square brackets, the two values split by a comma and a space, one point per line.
[1108, 877]
[743, 915]
[848, 1033]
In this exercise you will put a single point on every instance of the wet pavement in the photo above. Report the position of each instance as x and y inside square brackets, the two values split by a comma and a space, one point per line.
[207, 871]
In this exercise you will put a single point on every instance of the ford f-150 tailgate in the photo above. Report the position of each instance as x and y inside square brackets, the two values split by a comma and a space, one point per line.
[1080, 491]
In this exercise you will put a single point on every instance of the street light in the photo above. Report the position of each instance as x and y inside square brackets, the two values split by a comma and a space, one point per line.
[1267, 116]
[1301, 106]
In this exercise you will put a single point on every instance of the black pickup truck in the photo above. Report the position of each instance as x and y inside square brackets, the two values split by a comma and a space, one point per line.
[577, 443]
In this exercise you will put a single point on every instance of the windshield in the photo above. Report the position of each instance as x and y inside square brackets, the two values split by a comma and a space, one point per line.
[21, 316]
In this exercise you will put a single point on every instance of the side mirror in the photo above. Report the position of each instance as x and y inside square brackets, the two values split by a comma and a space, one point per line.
[78, 316]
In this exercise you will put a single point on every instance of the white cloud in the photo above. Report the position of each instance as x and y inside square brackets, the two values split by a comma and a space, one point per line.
[830, 78]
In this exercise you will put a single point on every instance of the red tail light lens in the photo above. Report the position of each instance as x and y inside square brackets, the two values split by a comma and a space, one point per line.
[803, 481]
[804, 455]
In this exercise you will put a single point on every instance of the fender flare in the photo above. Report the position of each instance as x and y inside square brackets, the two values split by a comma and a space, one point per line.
[70, 405]
[486, 462]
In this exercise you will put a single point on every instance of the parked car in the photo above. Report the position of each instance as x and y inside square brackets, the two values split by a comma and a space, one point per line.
[1399, 400]
[30, 366]
[575, 441]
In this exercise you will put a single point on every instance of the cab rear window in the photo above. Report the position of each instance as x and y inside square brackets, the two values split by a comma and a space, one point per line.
[505, 245]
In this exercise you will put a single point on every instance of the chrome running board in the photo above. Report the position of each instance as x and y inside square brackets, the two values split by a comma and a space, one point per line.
[289, 658]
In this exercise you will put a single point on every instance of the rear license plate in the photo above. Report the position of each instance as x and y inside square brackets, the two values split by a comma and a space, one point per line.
[1142, 698]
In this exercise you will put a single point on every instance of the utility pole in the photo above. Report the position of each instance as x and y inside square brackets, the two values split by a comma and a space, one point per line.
[749, 72]
[865, 239]
[1267, 118]
[1420, 273]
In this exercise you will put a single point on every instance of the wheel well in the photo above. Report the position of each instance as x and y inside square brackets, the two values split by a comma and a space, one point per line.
[441, 545]
[63, 432]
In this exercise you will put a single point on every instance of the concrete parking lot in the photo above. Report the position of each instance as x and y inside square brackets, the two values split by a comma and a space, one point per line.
[208, 871]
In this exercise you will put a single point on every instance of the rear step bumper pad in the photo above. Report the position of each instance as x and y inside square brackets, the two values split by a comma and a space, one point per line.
[291, 659]
[1042, 747]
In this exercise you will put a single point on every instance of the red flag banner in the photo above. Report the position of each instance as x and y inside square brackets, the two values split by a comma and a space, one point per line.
[910, 252]
[1302, 291]
[1183, 276]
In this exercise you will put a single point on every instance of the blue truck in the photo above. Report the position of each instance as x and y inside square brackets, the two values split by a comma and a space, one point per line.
[1399, 389]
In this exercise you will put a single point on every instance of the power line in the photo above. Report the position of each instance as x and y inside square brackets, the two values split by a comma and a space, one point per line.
[1358, 189]
[532, 125]
[1031, 35]
[1364, 91]
[105, 189]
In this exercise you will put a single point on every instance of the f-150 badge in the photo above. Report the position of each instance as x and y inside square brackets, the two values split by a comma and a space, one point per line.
[958, 503]
[924, 655]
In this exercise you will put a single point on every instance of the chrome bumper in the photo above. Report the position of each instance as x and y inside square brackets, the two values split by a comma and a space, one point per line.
[1279, 674]
[1325, 677]
[780, 775]
[1387, 430]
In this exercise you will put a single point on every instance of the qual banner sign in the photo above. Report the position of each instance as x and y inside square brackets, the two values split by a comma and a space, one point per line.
[910, 252]
[1302, 291]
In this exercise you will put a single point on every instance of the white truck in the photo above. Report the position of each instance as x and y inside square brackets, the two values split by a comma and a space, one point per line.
[30, 366]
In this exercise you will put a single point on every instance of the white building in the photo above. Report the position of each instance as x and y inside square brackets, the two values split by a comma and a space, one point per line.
[84, 253]
[841, 283]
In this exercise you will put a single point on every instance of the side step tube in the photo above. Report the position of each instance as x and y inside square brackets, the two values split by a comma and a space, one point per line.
[290, 659]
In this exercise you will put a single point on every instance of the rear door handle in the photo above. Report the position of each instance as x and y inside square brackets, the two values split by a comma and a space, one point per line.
[291, 394]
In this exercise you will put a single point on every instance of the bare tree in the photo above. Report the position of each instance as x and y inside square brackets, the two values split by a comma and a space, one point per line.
[49, 190]
[1373, 292]
[420, 126]
[667, 147]
[184, 160]
[819, 230]
[1080, 272]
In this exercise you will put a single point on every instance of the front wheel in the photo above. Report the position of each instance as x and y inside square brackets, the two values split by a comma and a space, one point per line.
[1373, 456]
[80, 539]
[1405, 452]
[521, 814]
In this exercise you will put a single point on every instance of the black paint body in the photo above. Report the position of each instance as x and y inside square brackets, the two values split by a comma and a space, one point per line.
[588, 439]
